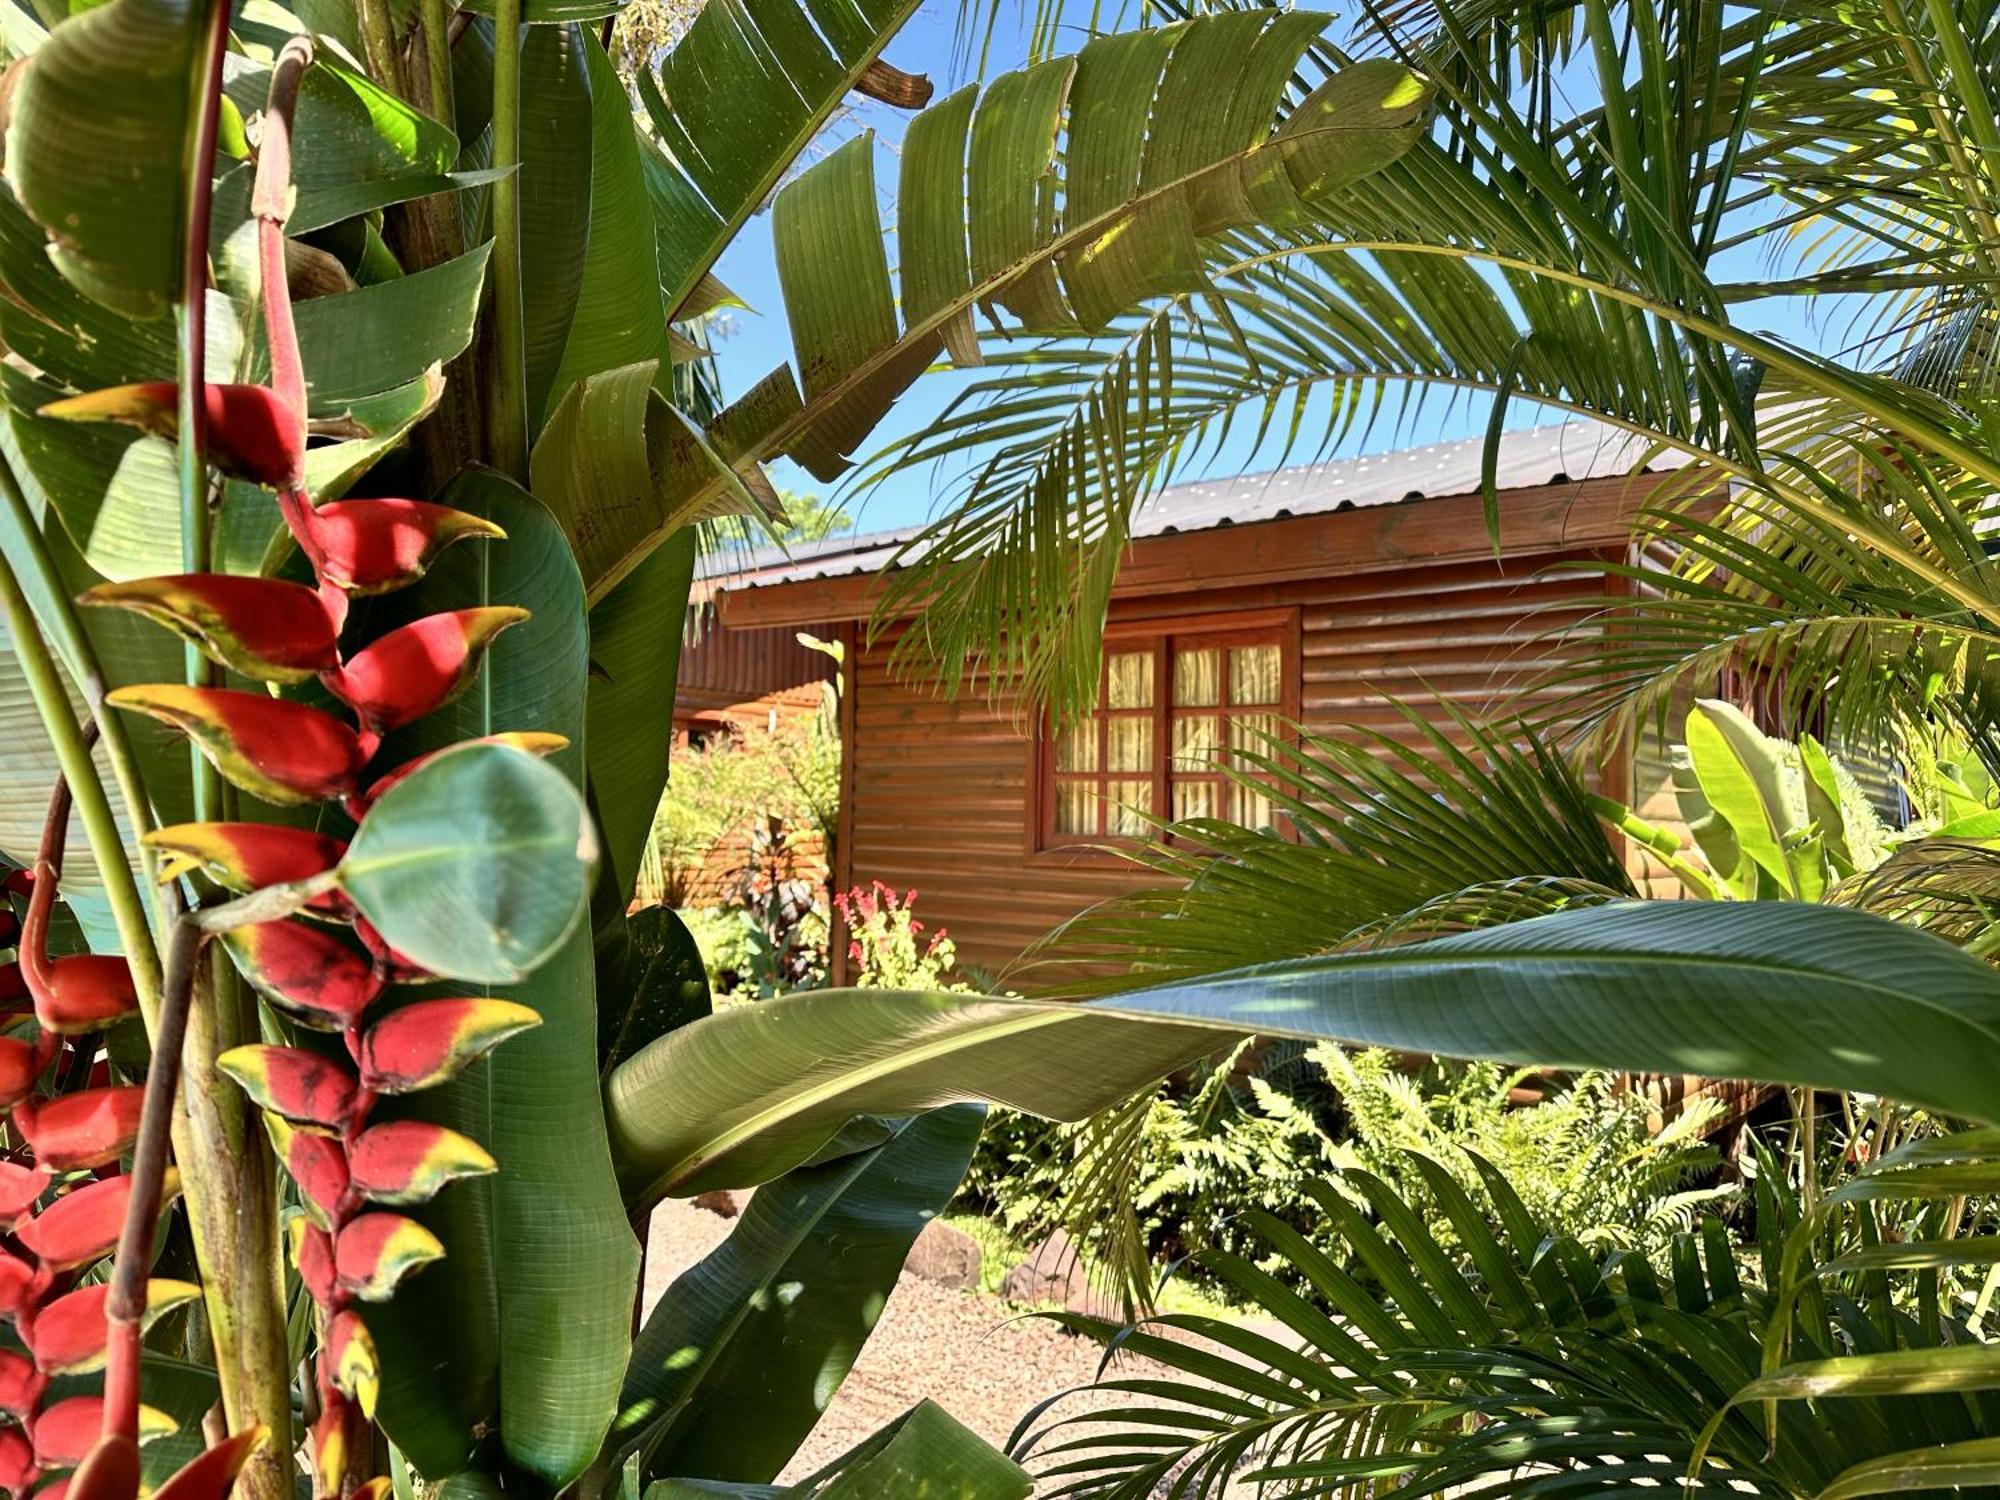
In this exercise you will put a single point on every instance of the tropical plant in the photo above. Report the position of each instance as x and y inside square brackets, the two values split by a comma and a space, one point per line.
[341, 344]
[1515, 1360]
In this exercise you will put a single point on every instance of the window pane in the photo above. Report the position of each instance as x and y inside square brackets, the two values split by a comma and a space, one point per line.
[1129, 680]
[1130, 745]
[1128, 800]
[1197, 678]
[1076, 807]
[1197, 799]
[1250, 807]
[1076, 746]
[1253, 675]
[1248, 731]
[1197, 738]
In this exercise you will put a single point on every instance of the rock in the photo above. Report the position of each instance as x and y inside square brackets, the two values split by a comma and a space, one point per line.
[720, 1201]
[1053, 1275]
[950, 1257]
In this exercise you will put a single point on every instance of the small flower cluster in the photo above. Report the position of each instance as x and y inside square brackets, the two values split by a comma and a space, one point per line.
[325, 968]
[886, 943]
[62, 1200]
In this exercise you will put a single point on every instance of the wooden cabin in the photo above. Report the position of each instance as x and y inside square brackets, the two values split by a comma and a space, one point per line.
[1309, 594]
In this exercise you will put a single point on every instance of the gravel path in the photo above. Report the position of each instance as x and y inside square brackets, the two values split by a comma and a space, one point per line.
[971, 1353]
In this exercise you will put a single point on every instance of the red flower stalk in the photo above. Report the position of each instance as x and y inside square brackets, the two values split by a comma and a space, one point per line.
[352, 1173]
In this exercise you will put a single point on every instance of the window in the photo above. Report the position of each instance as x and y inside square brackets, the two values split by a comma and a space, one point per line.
[1172, 701]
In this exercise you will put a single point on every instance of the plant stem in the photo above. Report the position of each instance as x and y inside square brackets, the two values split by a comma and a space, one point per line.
[72, 753]
[507, 380]
[232, 1193]
[434, 26]
[125, 1307]
[193, 424]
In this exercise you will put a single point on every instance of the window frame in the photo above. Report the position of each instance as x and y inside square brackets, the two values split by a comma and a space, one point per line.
[1168, 634]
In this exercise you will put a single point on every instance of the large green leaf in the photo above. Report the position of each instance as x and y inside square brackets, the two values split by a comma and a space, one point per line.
[384, 337]
[475, 866]
[988, 214]
[619, 318]
[616, 460]
[1780, 992]
[97, 147]
[925, 1454]
[358, 148]
[745, 1350]
[530, 1311]
[557, 110]
[653, 984]
[635, 641]
[736, 101]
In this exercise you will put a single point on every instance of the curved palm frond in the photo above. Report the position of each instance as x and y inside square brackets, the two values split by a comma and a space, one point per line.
[1521, 1363]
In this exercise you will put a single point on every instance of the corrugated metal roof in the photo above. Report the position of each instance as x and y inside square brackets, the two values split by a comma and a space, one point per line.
[1573, 450]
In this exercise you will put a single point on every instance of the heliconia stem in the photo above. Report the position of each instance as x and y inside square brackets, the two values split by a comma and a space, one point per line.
[270, 203]
[125, 1308]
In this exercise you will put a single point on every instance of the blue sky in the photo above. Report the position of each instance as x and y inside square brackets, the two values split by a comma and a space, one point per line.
[758, 339]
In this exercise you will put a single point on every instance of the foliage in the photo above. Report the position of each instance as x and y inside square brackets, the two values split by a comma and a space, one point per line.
[785, 770]
[1577, 1368]
[1181, 1171]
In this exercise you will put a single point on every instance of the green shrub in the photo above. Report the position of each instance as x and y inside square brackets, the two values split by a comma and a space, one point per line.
[1174, 1173]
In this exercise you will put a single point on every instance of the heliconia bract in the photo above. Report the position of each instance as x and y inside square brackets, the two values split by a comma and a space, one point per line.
[280, 751]
[407, 1161]
[301, 1086]
[253, 432]
[305, 970]
[76, 1131]
[377, 546]
[417, 668]
[70, 1333]
[264, 628]
[249, 856]
[424, 1044]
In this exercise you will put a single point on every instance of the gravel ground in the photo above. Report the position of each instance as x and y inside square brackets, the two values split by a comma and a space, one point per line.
[971, 1353]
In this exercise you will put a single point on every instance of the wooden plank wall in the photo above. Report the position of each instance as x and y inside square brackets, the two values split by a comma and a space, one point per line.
[940, 792]
[727, 667]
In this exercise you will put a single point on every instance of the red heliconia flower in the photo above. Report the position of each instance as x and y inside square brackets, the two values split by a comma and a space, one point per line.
[407, 1161]
[250, 856]
[67, 1431]
[374, 546]
[20, 1284]
[375, 1251]
[264, 628]
[280, 751]
[417, 667]
[394, 967]
[21, 1384]
[533, 741]
[301, 1086]
[427, 1043]
[87, 992]
[253, 433]
[306, 970]
[21, 1188]
[312, 1253]
[20, 1066]
[317, 1165]
[17, 1460]
[82, 1226]
[70, 1333]
[78, 1131]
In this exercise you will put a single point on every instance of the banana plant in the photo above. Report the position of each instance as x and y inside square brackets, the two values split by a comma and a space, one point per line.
[346, 439]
